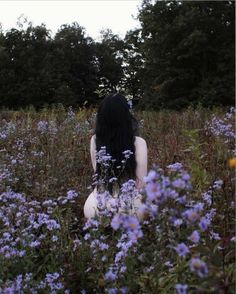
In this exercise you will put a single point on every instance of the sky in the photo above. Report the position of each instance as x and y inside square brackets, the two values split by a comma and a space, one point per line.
[93, 15]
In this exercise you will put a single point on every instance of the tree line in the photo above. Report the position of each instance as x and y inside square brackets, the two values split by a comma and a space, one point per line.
[183, 54]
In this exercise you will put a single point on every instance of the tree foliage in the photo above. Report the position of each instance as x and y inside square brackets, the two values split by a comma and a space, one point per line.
[182, 54]
[188, 48]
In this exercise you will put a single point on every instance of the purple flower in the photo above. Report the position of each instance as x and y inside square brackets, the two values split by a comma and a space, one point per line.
[131, 223]
[218, 184]
[207, 197]
[198, 206]
[127, 153]
[110, 276]
[233, 239]
[178, 222]
[52, 225]
[194, 237]
[153, 191]
[76, 243]
[185, 176]
[151, 176]
[116, 222]
[123, 290]
[221, 127]
[191, 215]
[42, 126]
[179, 183]
[175, 167]
[215, 236]
[182, 249]
[34, 244]
[198, 266]
[203, 224]
[168, 264]
[112, 291]
[103, 158]
[181, 289]
[103, 246]
[71, 194]
[119, 256]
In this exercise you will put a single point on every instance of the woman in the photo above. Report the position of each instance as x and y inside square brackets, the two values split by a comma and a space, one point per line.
[115, 129]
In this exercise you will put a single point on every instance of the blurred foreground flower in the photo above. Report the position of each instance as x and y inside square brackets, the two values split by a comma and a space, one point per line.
[232, 162]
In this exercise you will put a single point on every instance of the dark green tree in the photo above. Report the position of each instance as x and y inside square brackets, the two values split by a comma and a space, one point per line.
[75, 66]
[188, 48]
[133, 64]
[109, 54]
[24, 74]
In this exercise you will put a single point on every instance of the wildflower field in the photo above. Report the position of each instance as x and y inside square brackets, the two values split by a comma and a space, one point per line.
[185, 242]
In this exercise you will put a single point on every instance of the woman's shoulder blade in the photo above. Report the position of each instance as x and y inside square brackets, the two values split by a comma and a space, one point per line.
[139, 140]
[93, 138]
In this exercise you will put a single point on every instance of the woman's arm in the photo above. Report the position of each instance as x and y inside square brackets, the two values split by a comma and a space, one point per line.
[141, 159]
[93, 152]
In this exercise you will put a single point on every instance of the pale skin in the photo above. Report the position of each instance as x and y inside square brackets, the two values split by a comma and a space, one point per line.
[90, 206]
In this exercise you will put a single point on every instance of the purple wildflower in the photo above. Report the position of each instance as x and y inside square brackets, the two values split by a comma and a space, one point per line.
[151, 176]
[181, 289]
[191, 215]
[203, 224]
[177, 166]
[182, 249]
[179, 183]
[178, 222]
[116, 222]
[194, 237]
[198, 266]
[110, 275]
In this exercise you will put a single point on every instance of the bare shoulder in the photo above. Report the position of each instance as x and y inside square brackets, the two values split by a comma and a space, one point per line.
[92, 140]
[140, 141]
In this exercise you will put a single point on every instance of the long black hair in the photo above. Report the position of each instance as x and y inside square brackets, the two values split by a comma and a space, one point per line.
[116, 129]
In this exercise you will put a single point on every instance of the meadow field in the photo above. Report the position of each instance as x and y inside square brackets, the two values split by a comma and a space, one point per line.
[186, 242]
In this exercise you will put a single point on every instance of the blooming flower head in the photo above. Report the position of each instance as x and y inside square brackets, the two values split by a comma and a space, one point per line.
[131, 223]
[112, 291]
[177, 166]
[182, 249]
[42, 126]
[127, 153]
[179, 183]
[198, 266]
[207, 197]
[232, 162]
[215, 236]
[110, 275]
[194, 237]
[178, 222]
[233, 239]
[191, 215]
[151, 176]
[152, 191]
[71, 194]
[203, 224]
[199, 206]
[218, 184]
[116, 222]
[181, 289]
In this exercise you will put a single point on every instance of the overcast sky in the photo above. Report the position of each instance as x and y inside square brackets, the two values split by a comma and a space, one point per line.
[93, 15]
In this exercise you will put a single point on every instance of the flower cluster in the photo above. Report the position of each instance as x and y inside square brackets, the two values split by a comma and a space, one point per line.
[170, 234]
[7, 129]
[27, 217]
[26, 283]
[45, 127]
[222, 127]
